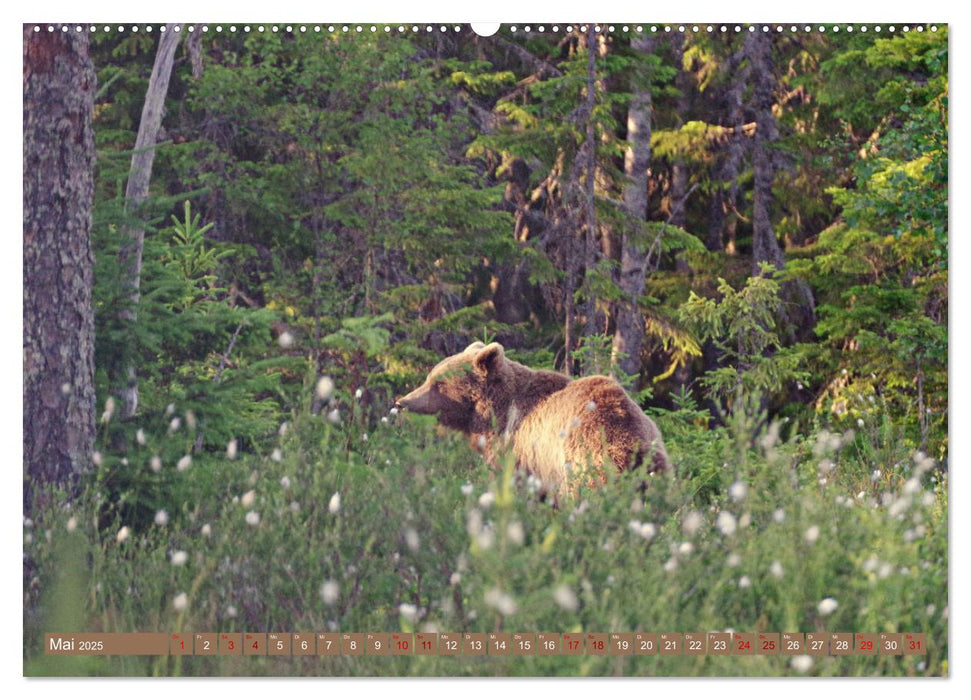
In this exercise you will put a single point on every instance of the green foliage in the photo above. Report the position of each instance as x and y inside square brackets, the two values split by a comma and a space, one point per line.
[408, 530]
[742, 325]
[355, 203]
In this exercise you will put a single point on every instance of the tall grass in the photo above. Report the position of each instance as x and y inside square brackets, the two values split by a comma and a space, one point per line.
[386, 523]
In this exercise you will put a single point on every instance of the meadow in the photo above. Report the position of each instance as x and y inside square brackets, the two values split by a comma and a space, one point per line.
[360, 519]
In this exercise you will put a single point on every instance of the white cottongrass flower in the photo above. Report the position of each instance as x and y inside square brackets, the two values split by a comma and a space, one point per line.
[859, 423]
[140, 437]
[206, 530]
[334, 416]
[776, 570]
[109, 410]
[174, 425]
[231, 448]
[515, 533]
[334, 505]
[502, 602]
[812, 534]
[779, 516]
[393, 411]
[248, 499]
[180, 602]
[733, 560]
[645, 530]
[801, 663]
[161, 518]
[359, 393]
[155, 463]
[123, 534]
[455, 579]
[253, 518]
[276, 455]
[190, 419]
[745, 582]
[467, 489]
[96, 458]
[911, 486]
[329, 592]
[412, 539]
[325, 388]
[473, 522]
[286, 339]
[692, 523]
[744, 520]
[827, 606]
[486, 538]
[179, 558]
[184, 463]
[565, 598]
[284, 427]
[170, 409]
[685, 548]
[487, 499]
[408, 611]
[231, 611]
[738, 491]
[72, 524]
[671, 565]
[726, 523]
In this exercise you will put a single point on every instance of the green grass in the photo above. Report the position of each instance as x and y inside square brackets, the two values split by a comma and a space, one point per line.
[748, 538]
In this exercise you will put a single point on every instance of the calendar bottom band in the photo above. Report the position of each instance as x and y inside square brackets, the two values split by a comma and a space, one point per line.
[486, 644]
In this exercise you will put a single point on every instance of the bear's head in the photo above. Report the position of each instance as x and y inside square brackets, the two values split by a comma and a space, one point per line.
[456, 389]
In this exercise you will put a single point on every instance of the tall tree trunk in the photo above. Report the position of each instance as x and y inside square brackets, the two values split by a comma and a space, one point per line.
[593, 318]
[580, 228]
[629, 335]
[799, 309]
[136, 192]
[59, 398]
[724, 222]
[765, 245]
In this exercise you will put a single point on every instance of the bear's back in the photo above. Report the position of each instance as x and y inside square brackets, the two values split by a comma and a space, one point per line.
[568, 433]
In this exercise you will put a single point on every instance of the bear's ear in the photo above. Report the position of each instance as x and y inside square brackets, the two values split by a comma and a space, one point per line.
[489, 359]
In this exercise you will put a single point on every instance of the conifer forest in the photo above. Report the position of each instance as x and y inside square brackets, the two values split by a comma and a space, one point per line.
[243, 243]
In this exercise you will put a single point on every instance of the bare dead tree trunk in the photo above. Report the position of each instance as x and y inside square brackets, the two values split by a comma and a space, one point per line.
[58, 333]
[136, 192]
[629, 335]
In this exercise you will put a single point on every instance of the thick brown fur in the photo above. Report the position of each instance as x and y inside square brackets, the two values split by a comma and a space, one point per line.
[559, 430]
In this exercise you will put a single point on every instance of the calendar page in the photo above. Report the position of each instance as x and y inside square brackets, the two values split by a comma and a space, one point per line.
[546, 349]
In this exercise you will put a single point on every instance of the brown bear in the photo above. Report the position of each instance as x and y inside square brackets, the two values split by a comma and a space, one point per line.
[560, 430]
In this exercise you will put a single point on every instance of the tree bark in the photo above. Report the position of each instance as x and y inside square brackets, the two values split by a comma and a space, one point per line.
[589, 199]
[765, 245]
[136, 192]
[58, 333]
[629, 334]
[723, 221]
